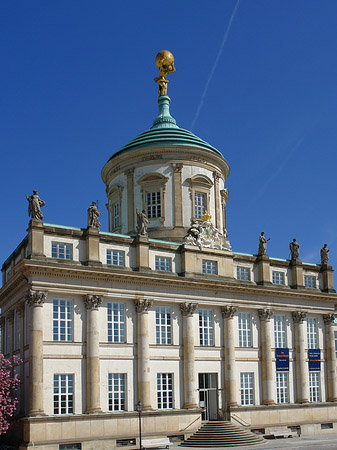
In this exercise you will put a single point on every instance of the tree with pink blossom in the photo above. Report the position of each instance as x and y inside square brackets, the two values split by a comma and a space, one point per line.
[9, 382]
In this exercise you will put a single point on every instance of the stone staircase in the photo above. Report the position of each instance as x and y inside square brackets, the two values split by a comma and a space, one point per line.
[222, 434]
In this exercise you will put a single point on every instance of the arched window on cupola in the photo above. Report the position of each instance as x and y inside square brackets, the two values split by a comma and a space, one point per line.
[153, 194]
[200, 192]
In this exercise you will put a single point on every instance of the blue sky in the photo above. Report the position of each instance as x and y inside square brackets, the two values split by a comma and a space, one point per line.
[77, 84]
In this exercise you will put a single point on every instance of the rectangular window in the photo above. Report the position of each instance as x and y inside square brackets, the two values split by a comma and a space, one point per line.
[314, 387]
[206, 326]
[280, 331]
[163, 325]
[247, 388]
[163, 263]
[243, 273]
[116, 215]
[70, 447]
[116, 322]
[115, 257]
[63, 394]
[282, 387]
[153, 204]
[61, 250]
[278, 278]
[200, 200]
[164, 390]
[312, 332]
[62, 320]
[336, 342]
[310, 282]
[209, 267]
[116, 392]
[245, 332]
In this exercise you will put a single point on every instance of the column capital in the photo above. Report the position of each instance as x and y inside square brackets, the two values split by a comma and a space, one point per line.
[228, 311]
[177, 167]
[129, 172]
[36, 298]
[265, 314]
[329, 319]
[93, 301]
[216, 176]
[299, 316]
[143, 305]
[188, 309]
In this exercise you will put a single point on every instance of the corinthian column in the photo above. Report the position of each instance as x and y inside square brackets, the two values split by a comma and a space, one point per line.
[36, 300]
[228, 313]
[190, 386]
[143, 353]
[266, 360]
[92, 303]
[302, 390]
[329, 321]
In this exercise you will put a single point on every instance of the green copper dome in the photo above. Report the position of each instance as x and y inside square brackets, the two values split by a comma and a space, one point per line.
[165, 131]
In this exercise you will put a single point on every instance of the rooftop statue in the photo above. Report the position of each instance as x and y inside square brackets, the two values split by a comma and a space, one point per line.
[165, 64]
[262, 250]
[294, 250]
[324, 255]
[142, 223]
[93, 215]
[35, 205]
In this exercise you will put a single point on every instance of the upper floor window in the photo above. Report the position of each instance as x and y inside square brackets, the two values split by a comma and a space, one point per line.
[116, 215]
[153, 204]
[200, 192]
[206, 326]
[115, 257]
[163, 325]
[63, 394]
[209, 267]
[312, 332]
[310, 282]
[279, 331]
[153, 190]
[62, 320]
[200, 202]
[61, 250]
[116, 392]
[278, 277]
[116, 322]
[245, 332]
[243, 273]
[163, 263]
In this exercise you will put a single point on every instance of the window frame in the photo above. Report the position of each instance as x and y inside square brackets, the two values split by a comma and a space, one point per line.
[165, 396]
[282, 388]
[247, 389]
[312, 333]
[314, 388]
[118, 394]
[57, 320]
[163, 317]
[66, 394]
[209, 267]
[67, 246]
[206, 327]
[310, 282]
[243, 269]
[245, 329]
[115, 197]
[203, 185]
[116, 324]
[280, 331]
[278, 278]
[153, 182]
[163, 261]
[120, 257]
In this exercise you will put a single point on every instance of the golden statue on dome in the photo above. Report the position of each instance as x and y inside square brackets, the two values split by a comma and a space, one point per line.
[165, 64]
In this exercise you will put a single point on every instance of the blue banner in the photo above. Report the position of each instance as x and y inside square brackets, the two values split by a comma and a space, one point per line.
[282, 359]
[314, 355]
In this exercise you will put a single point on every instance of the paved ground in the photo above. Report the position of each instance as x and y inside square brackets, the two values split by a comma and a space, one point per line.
[315, 442]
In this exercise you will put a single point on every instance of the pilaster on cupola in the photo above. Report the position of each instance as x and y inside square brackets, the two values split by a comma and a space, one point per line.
[36, 239]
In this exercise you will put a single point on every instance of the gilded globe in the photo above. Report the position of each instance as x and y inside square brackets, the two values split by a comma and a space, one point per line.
[165, 59]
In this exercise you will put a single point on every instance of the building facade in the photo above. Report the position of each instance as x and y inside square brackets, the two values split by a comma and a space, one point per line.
[171, 317]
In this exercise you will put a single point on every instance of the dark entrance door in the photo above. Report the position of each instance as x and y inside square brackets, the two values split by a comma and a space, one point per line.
[208, 395]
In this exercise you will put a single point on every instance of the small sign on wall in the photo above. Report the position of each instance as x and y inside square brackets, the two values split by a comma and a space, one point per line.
[314, 356]
[282, 359]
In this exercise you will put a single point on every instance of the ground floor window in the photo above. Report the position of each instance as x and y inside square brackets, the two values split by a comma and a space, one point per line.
[314, 387]
[282, 387]
[247, 388]
[165, 390]
[116, 392]
[63, 393]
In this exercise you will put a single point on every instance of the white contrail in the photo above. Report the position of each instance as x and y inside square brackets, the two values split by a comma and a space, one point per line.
[215, 64]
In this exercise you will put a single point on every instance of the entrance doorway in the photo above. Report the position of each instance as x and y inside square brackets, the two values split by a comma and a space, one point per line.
[208, 395]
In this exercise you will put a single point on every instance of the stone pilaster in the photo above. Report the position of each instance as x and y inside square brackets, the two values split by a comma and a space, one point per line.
[190, 382]
[266, 360]
[10, 324]
[329, 321]
[297, 279]
[36, 239]
[327, 278]
[263, 270]
[2, 325]
[178, 196]
[35, 301]
[92, 303]
[228, 313]
[224, 200]
[130, 198]
[142, 253]
[302, 389]
[21, 315]
[92, 246]
[216, 177]
[143, 353]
